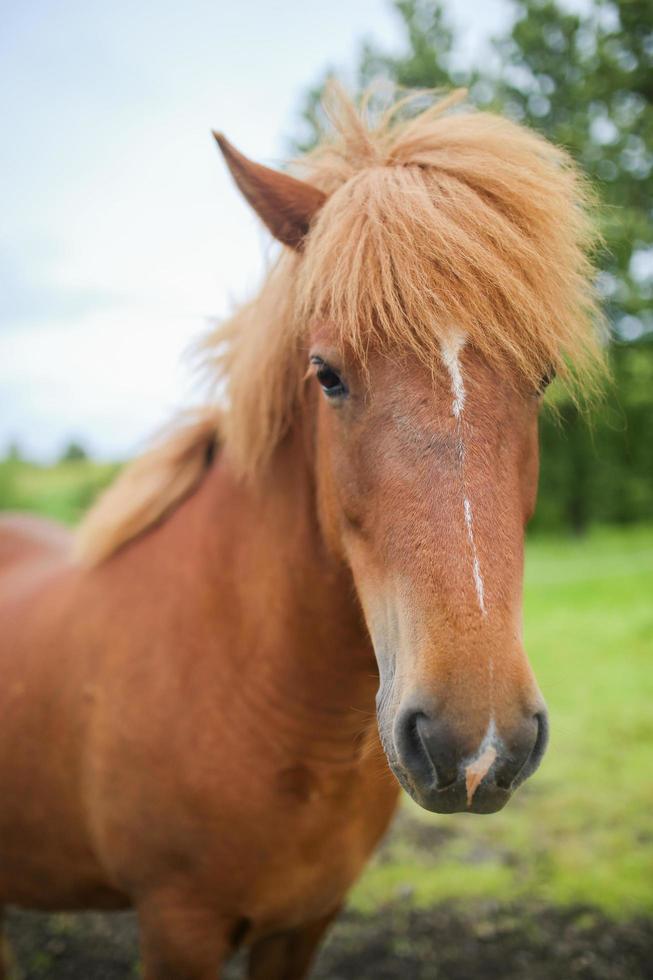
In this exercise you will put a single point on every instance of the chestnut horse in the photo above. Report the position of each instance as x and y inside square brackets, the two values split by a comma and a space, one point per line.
[187, 707]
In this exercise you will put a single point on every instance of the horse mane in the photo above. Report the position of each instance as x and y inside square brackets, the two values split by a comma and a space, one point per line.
[435, 220]
[149, 487]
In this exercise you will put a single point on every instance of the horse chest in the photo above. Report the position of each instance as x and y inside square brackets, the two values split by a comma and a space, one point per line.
[313, 847]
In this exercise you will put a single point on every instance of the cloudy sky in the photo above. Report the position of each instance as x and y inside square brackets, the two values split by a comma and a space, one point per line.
[120, 232]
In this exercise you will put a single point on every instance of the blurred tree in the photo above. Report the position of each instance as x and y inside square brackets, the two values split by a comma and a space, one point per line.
[584, 79]
[601, 470]
[73, 452]
[427, 63]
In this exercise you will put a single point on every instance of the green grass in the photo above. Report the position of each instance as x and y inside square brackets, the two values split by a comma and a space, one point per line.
[63, 491]
[581, 829]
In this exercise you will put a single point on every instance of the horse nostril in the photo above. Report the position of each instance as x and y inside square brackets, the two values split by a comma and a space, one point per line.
[409, 745]
[443, 751]
[425, 749]
[433, 757]
[526, 752]
[538, 750]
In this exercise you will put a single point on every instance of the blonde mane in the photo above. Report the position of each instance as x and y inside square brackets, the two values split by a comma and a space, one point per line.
[433, 219]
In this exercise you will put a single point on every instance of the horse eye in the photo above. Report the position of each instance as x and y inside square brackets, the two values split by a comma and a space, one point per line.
[330, 382]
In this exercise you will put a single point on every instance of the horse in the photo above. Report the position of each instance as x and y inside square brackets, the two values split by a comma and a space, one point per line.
[307, 593]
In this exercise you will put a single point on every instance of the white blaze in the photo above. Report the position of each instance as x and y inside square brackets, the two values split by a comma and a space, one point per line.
[451, 349]
[476, 565]
[477, 768]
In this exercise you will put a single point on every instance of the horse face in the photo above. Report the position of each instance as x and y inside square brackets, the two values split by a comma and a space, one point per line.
[425, 484]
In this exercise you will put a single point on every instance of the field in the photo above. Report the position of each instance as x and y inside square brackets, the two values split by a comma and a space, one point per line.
[558, 885]
[63, 491]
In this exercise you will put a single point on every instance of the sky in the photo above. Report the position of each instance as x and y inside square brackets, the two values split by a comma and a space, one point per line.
[121, 235]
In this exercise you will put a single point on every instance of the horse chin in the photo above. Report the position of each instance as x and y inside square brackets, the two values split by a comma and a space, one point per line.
[454, 798]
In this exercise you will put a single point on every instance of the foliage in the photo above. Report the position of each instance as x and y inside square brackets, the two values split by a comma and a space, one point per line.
[73, 451]
[597, 467]
[585, 79]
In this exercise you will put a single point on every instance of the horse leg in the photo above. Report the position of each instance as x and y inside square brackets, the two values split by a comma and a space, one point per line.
[288, 955]
[181, 941]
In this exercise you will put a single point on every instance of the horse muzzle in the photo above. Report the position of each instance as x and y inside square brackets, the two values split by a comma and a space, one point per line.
[438, 770]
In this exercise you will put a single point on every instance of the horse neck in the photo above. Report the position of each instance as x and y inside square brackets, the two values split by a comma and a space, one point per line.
[289, 605]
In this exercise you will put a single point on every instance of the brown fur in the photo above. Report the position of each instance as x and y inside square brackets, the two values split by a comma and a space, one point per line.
[286, 205]
[440, 219]
[187, 718]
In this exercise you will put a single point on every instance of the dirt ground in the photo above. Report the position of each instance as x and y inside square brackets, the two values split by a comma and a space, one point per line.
[453, 942]
[471, 940]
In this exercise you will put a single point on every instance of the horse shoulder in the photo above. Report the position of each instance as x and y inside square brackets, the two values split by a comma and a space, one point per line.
[25, 536]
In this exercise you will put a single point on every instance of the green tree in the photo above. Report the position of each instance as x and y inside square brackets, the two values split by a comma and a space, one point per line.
[586, 81]
[427, 62]
[14, 452]
[74, 451]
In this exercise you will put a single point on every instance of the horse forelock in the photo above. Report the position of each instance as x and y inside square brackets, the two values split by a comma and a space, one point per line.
[440, 218]
[432, 219]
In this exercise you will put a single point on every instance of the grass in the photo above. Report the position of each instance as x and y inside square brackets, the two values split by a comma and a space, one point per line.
[580, 830]
[63, 491]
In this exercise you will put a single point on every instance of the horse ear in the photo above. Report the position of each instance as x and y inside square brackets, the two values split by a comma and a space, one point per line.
[285, 204]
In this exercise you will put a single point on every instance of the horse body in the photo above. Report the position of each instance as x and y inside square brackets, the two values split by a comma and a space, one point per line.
[189, 707]
[40, 830]
[122, 759]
